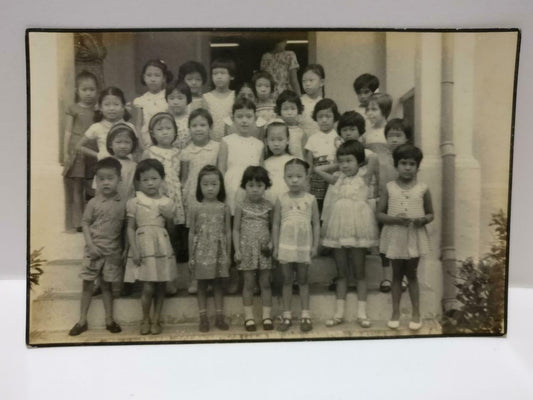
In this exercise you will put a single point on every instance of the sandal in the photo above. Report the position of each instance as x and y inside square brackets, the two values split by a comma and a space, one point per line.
[156, 328]
[78, 329]
[334, 322]
[305, 324]
[286, 323]
[249, 325]
[364, 322]
[113, 327]
[385, 286]
[145, 327]
[268, 325]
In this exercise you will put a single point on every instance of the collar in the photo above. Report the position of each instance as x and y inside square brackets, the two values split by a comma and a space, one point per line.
[101, 197]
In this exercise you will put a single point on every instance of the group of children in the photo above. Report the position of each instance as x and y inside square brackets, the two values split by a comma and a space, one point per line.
[250, 180]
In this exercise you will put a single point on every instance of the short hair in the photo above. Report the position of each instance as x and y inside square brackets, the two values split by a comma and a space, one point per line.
[400, 125]
[384, 102]
[291, 97]
[405, 152]
[115, 130]
[110, 91]
[190, 67]
[224, 63]
[208, 170]
[353, 148]
[317, 69]
[297, 161]
[352, 118]
[181, 87]
[266, 75]
[108, 163]
[326, 104]
[159, 117]
[366, 81]
[255, 173]
[158, 63]
[83, 76]
[200, 112]
[241, 104]
[147, 165]
[274, 123]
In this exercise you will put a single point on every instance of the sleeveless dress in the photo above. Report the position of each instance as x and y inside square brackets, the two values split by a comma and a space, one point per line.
[158, 263]
[296, 136]
[170, 158]
[220, 108]
[209, 258]
[242, 152]
[255, 234]
[348, 218]
[296, 234]
[151, 104]
[405, 242]
[275, 165]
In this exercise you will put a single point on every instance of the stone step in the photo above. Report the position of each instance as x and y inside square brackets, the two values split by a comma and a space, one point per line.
[188, 332]
[59, 311]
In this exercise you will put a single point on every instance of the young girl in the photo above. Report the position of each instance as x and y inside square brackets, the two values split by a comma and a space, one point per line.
[263, 87]
[245, 92]
[350, 226]
[289, 107]
[194, 75]
[121, 143]
[151, 258]
[111, 104]
[295, 235]
[239, 150]
[79, 117]
[405, 208]
[377, 111]
[283, 66]
[178, 96]
[313, 84]
[277, 139]
[321, 147]
[253, 244]
[221, 98]
[155, 75]
[210, 243]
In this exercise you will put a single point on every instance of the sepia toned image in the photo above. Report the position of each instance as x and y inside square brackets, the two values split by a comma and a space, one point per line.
[252, 185]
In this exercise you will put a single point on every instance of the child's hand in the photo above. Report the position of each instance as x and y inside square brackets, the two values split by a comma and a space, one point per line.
[275, 253]
[418, 222]
[266, 249]
[314, 251]
[238, 257]
[135, 256]
[401, 219]
[94, 252]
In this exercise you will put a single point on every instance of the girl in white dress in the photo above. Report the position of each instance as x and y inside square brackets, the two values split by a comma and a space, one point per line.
[405, 208]
[277, 138]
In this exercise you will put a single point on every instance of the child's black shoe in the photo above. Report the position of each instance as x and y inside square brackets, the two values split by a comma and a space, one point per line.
[113, 327]
[204, 324]
[220, 323]
[78, 329]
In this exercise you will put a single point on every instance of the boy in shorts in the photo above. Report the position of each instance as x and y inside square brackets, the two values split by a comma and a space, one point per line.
[102, 226]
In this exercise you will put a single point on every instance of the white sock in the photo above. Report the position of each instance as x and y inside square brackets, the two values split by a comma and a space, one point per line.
[287, 314]
[248, 313]
[267, 312]
[361, 310]
[339, 312]
[306, 314]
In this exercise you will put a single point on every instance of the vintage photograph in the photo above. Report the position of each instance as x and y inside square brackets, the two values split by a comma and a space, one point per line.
[268, 185]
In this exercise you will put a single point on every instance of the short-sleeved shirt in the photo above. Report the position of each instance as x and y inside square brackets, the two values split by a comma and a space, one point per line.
[99, 131]
[278, 65]
[82, 118]
[323, 144]
[151, 103]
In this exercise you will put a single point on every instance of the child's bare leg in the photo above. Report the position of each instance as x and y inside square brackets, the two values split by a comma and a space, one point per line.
[248, 294]
[341, 260]
[414, 290]
[303, 282]
[160, 290]
[201, 296]
[218, 294]
[266, 290]
[398, 271]
[86, 297]
[107, 298]
[358, 256]
[146, 300]
[286, 291]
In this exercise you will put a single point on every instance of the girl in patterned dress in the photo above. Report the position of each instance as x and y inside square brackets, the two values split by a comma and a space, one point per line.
[263, 86]
[289, 107]
[121, 143]
[283, 66]
[193, 73]
[210, 243]
[178, 96]
[405, 208]
[151, 257]
[350, 226]
[253, 243]
[295, 236]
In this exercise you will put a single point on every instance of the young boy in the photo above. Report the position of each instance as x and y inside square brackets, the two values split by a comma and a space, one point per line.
[102, 225]
[365, 86]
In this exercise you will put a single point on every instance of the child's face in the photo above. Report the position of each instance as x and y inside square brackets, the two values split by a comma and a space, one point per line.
[244, 120]
[210, 186]
[312, 83]
[255, 190]
[221, 77]
[289, 112]
[154, 78]
[295, 176]
[195, 83]
[122, 145]
[87, 91]
[199, 130]
[396, 137]
[177, 102]
[247, 93]
[277, 139]
[107, 180]
[325, 120]
[164, 132]
[149, 182]
[348, 164]
[112, 108]
[407, 169]
[263, 89]
[350, 133]
[363, 95]
[373, 114]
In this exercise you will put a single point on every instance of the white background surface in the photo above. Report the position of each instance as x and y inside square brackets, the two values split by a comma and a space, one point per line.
[457, 368]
